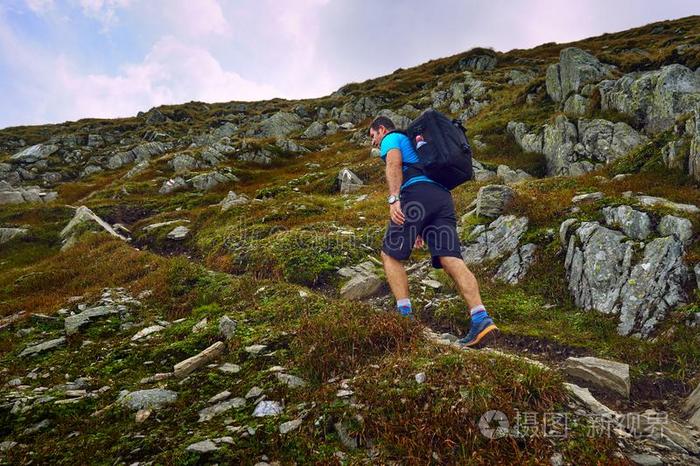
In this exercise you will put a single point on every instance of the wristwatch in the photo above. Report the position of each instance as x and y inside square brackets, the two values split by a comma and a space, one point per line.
[393, 198]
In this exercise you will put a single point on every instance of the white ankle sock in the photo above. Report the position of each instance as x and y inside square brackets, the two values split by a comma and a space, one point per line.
[403, 302]
[476, 309]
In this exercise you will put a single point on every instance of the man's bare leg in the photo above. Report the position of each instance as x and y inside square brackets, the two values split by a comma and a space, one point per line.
[396, 276]
[463, 278]
[482, 326]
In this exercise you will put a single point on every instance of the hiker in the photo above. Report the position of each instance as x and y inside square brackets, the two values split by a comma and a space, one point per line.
[422, 211]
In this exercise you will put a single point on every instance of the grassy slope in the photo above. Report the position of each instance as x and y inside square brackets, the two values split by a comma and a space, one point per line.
[275, 245]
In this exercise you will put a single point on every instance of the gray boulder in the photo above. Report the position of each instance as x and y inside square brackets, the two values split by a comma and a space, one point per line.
[154, 398]
[598, 261]
[34, 153]
[509, 175]
[183, 163]
[232, 199]
[172, 185]
[399, 120]
[280, 124]
[356, 110]
[42, 347]
[499, 238]
[139, 153]
[477, 63]
[513, 269]
[7, 234]
[575, 69]
[493, 199]
[653, 98]
[227, 327]
[315, 130]
[602, 276]
[691, 407]
[655, 286]
[349, 181]
[208, 181]
[85, 217]
[605, 374]
[178, 233]
[363, 282]
[633, 223]
[680, 227]
[73, 323]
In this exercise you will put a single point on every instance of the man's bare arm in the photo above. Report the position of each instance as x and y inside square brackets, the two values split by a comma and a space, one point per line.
[394, 173]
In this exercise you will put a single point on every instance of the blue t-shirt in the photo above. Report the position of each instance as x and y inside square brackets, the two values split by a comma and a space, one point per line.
[408, 153]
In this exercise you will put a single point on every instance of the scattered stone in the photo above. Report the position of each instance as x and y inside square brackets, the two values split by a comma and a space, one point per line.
[142, 415]
[232, 199]
[499, 238]
[633, 223]
[41, 347]
[642, 459]
[605, 374]
[200, 326]
[292, 381]
[254, 392]
[219, 397]
[434, 284]
[267, 408]
[508, 175]
[255, 349]
[34, 153]
[7, 234]
[211, 412]
[7, 445]
[349, 181]
[154, 398]
[691, 407]
[147, 331]
[289, 426]
[344, 393]
[205, 446]
[157, 377]
[361, 285]
[189, 365]
[420, 377]
[597, 196]
[84, 217]
[493, 199]
[228, 368]
[345, 438]
[227, 327]
[72, 324]
[172, 185]
[179, 233]
[584, 395]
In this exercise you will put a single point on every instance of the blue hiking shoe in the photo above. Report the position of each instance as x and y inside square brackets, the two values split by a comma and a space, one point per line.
[405, 311]
[482, 332]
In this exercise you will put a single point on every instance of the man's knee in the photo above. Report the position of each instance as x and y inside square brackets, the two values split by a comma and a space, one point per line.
[449, 262]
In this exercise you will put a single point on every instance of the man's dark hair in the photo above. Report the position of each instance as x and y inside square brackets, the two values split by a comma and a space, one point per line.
[382, 121]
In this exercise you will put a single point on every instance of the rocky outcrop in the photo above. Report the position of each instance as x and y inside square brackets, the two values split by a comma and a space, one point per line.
[210, 180]
[232, 199]
[508, 175]
[34, 153]
[569, 81]
[85, 218]
[279, 124]
[355, 111]
[514, 269]
[477, 63]
[139, 153]
[654, 99]
[21, 195]
[466, 96]
[575, 149]
[606, 273]
[500, 237]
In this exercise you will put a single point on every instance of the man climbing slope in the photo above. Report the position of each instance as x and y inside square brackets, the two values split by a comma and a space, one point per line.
[422, 211]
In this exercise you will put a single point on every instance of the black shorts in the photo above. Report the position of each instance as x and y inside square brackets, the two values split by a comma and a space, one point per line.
[429, 212]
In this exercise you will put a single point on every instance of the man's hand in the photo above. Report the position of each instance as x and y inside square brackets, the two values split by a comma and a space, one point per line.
[396, 214]
[419, 242]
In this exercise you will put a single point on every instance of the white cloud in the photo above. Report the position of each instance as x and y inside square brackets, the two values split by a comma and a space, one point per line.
[105, 11]
[193, 18]
[40, 6]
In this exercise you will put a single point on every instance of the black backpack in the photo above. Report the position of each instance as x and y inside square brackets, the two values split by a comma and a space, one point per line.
[444, 152]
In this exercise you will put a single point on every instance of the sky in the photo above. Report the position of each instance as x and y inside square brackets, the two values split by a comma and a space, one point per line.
[69, 59]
